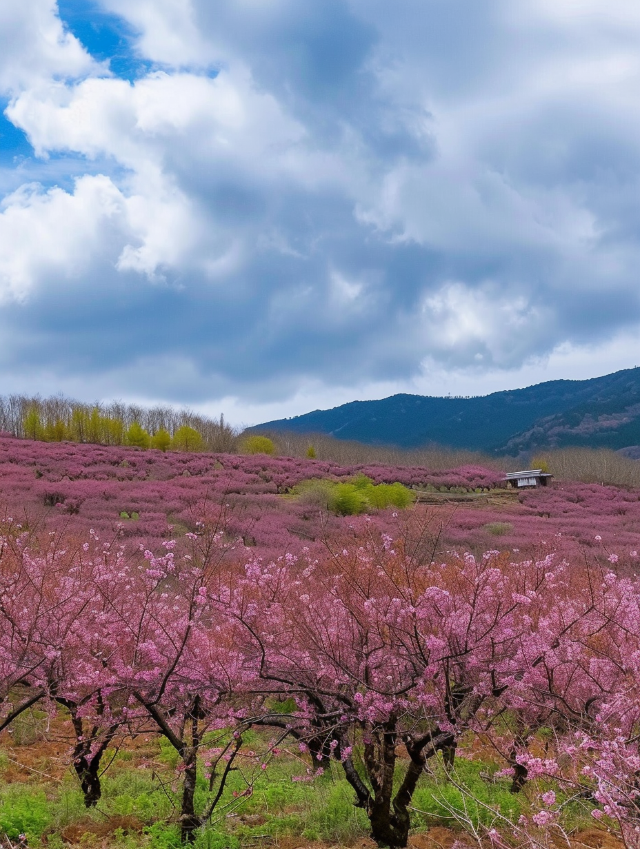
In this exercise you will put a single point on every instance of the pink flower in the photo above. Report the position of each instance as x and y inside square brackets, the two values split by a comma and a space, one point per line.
[549, 798]
[542, 818]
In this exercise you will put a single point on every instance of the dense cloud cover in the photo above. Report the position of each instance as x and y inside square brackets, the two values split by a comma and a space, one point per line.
[258, 199]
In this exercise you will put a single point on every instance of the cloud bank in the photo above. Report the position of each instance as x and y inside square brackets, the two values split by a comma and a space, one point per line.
[278, 202]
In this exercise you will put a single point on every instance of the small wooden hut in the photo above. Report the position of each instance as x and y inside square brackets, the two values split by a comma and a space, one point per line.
[529, 478]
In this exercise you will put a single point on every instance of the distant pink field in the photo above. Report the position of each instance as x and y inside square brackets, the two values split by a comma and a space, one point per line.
[90, 486]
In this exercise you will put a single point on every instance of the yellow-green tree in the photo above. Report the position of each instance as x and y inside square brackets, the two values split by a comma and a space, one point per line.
[161, 440]
[138, 436]
[540, 463]
[114, 431]
[187, 439]
[78, 425]
[94, 426]
[259, 445]
[56, 431]
[32, 424]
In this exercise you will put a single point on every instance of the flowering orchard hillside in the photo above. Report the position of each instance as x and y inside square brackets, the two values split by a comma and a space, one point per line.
[472, 659]
[148, 496]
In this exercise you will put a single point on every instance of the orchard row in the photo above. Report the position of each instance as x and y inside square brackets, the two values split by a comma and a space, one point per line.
[377, 645]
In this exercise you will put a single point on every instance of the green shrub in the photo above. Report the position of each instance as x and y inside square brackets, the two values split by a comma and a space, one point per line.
[362, 482]
[314, 492]
[311, 452]
[347, 500]
[358, 495]
[259, 445]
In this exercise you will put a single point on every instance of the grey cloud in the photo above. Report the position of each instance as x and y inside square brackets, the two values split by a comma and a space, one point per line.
[468, 182]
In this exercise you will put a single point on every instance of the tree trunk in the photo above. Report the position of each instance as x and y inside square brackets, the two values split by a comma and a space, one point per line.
[449, 755]
[388, 814]
[189, 821]
[86, 758]
[89, 776]
[389, 824]
[520, 773]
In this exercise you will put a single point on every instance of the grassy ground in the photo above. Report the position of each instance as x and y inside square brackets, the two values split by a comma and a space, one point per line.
[39, 796]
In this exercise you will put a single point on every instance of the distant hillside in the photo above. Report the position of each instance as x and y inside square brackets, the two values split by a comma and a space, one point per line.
[603, 412]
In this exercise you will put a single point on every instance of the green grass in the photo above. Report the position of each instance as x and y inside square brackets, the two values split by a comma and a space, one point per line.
[279, 807]
[464, 794]
[23, 810]
[498, 529]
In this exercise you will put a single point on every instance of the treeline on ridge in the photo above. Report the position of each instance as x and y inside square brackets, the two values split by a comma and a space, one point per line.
[58, 419]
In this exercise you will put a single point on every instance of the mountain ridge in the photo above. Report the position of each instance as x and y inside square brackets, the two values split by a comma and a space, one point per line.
[597, 412]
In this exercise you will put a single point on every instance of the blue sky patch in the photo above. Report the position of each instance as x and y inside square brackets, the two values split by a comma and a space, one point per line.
[13, 143]
[107, 37]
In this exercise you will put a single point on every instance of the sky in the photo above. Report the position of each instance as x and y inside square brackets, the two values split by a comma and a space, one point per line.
[266, 207]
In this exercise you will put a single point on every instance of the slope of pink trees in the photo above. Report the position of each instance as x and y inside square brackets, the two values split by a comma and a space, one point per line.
[145, 497]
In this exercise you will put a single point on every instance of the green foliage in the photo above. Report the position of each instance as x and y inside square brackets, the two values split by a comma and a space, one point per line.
[259, 445]
[56, 431]
[390, 495]
[315, 492]
[361, 481]
[94, 426]
[32, 425]
[114, 431]
[164, 836]
[23, 811]
[138, 436]
[540, 463]
[161, 440]
[287, 706]
[347, 500]
[311, 452]
[358, 495]
[467, 796]
[187, 439]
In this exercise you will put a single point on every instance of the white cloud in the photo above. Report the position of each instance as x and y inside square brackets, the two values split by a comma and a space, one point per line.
[56, 234]
[71, 237]
[34, 46]
[222, 117]
[168, 31]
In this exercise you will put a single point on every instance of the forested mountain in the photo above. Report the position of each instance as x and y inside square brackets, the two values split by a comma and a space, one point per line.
[603, 412]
